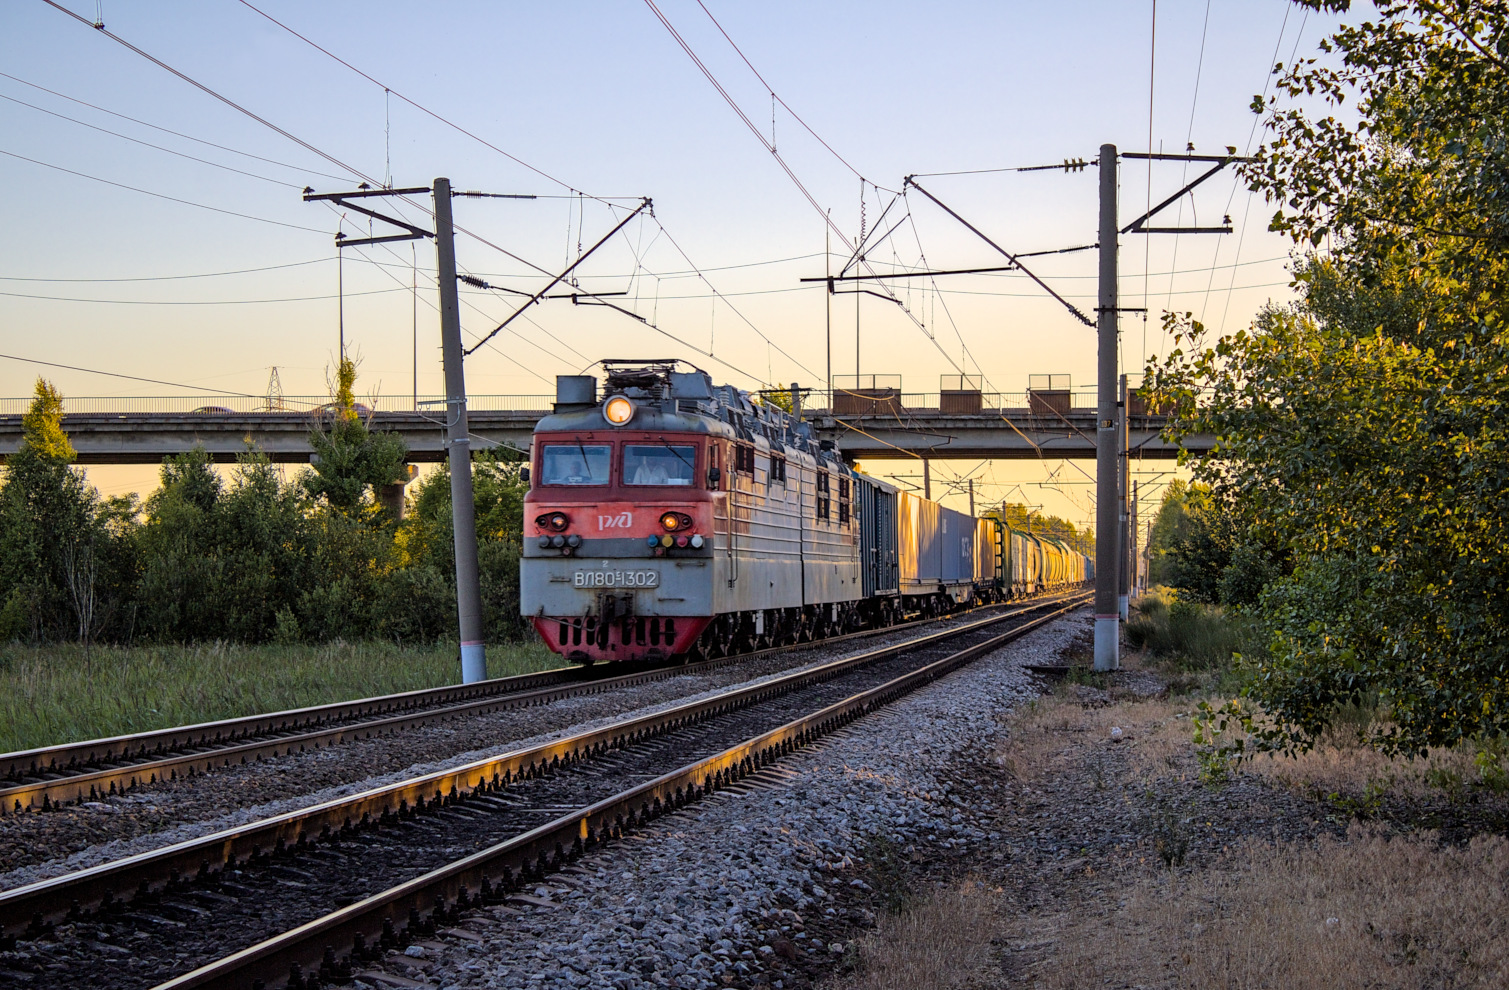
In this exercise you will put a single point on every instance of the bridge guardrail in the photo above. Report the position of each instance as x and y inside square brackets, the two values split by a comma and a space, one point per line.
[816, 403]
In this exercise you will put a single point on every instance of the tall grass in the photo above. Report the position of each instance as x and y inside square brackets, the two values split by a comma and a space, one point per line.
[59, 694]
[1192, 636]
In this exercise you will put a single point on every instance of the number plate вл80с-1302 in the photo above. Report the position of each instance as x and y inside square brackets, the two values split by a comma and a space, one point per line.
[606, 578]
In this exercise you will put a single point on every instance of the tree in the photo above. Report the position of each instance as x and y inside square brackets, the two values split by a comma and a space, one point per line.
[1363, 431]
[64, 557]
[351, 461]
[425, 544]
[220, 562]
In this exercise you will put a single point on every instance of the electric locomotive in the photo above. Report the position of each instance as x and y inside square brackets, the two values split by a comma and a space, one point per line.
[670, 517]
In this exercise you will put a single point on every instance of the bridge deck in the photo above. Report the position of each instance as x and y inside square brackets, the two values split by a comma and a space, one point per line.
[148, 437]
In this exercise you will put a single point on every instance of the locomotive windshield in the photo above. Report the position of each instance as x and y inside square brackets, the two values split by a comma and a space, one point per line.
[575, 464]
[660, 464]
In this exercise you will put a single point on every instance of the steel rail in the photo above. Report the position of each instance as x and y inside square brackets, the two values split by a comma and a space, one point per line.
[36, 905]
[237, 741]
[335, 945]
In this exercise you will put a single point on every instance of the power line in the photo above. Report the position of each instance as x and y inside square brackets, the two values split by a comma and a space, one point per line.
[192, 302]
[167, 130]
[167, 278]
[773, 95]
[205, 89]
[405, 288]
[1247, 148]
[351, 170]
[148, 144]
[418, 106]
[801, 187]
[134, 378]
[148, 192]
[747, 321]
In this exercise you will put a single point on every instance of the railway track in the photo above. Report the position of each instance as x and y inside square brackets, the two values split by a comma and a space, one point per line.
[370, 872]
[40, 779]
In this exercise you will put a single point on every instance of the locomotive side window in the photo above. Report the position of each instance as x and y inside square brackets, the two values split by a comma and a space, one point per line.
[660, 464]
[843, 501]
[777, 468]
[744, 458]
[575, 464]
[823, 498]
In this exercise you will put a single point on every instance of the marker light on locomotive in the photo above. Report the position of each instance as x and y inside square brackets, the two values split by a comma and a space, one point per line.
[618, 410]
[675, 522]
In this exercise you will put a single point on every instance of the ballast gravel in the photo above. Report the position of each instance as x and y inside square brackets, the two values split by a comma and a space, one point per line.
[42, 845]
[740, 889]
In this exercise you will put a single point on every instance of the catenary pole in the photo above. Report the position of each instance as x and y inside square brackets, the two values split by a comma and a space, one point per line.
[1124, 493]
[1107, 626]
[458, 444]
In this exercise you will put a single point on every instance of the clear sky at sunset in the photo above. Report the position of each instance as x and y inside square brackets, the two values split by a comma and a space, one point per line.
[599, 98]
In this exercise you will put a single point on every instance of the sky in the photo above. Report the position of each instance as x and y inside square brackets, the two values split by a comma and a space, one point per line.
[197, 263]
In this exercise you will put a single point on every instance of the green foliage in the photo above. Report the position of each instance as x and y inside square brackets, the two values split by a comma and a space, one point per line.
[218, 562]
[1198, 547]
[1363, 431]
[1364, 805]
[351, 461]
[1489, 760]
[245, 556]
[1188, 634]
[42, 425]
[65, 562]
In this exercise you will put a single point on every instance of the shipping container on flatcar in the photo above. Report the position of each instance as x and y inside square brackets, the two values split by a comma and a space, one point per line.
[936, 554]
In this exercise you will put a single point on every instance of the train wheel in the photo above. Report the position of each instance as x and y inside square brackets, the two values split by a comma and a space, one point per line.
[727, 635]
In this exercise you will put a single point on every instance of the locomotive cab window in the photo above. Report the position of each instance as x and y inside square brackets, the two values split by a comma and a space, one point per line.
[660, 464]
[575, 464]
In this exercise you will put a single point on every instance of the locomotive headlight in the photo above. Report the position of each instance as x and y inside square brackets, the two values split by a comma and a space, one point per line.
[618, 410]
[697, 541]
[553, 521]
[671, 522]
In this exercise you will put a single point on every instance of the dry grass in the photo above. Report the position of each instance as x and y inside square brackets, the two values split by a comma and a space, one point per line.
[1053, 733]
[942, 942]
[1369, 911]
[1341, 766]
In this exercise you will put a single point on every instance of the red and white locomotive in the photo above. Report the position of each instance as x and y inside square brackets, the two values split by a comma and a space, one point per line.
[671, 517]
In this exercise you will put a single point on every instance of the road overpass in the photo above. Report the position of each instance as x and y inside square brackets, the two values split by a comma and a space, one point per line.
[128, 431]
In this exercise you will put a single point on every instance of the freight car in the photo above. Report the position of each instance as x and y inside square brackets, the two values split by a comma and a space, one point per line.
[670, 517]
